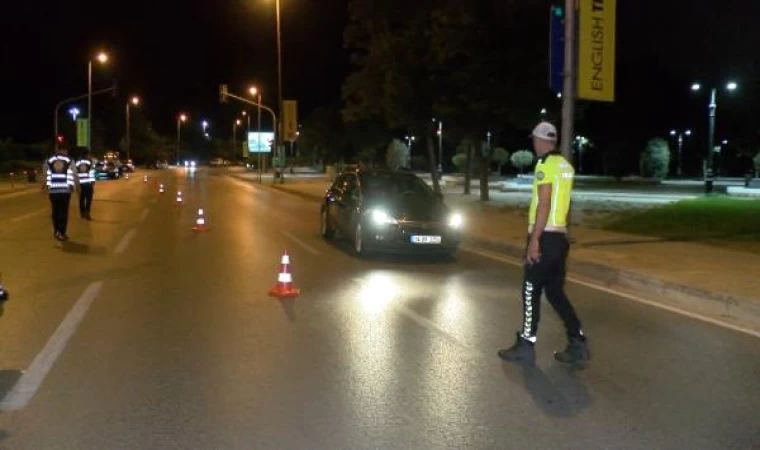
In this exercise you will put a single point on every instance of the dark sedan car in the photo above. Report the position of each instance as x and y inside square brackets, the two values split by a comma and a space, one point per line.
[388, 211]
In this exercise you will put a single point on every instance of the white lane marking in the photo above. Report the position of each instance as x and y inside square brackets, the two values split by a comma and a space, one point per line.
[26, 387]
[144, 215]
[124, 243]
[303, 244]
[626, 295]
[28, 215]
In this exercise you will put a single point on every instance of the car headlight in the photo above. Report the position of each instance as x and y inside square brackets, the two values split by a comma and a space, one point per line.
[456, 220]
[382, 218]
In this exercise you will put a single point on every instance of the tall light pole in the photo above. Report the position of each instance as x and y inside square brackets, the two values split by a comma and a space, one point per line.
[679, 135]
[440, 146]
[132, 101]
[180, 120]
[102, 58]
[235, 126]
[712, 108]
[256, 93]
[278, 136]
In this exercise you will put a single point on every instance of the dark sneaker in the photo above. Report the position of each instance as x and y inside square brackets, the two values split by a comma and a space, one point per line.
[59, 237]
[575, 353]
[522, 351]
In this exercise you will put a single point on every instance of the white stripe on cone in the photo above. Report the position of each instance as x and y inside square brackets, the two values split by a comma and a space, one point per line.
[285, 278]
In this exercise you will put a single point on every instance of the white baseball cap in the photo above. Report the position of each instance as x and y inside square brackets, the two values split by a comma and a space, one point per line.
[545, 131]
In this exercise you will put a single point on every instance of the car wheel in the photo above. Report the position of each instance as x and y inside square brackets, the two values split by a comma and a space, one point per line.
[327, 229]
[359, 241]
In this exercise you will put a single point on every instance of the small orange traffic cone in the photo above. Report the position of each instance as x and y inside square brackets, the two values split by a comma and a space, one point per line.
[284, 287]
[179, 198]
[145, 178]
[200, 221]
[161, 188]
[126, 175]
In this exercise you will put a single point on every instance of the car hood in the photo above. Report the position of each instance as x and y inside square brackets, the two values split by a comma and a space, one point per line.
[410, 208]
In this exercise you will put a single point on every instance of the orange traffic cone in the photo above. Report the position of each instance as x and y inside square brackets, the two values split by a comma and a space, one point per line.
[145, 178]
[161, 188]
[284, 287]
[200, 221]
[179, 198]
[126, 175]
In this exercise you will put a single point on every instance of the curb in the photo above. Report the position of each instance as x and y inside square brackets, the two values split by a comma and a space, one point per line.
[719, 307]
[723, 308]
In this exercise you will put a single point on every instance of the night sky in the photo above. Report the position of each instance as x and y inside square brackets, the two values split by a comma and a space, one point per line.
[174, 54]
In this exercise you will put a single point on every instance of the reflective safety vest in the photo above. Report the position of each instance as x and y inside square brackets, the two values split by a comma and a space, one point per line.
[60, 176]
[85, 171]
[553, 169]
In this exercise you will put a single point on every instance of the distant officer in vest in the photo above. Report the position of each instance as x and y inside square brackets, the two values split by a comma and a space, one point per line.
[60, 182]
[546, 254]
[85, 169]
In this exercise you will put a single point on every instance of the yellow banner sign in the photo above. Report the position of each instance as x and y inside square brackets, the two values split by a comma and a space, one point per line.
[596, 54]
[289, 120]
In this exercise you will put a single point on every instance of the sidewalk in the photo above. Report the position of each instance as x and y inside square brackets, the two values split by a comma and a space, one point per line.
[713, 282]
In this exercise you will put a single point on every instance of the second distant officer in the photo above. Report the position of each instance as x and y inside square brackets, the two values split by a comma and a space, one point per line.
[85, 169]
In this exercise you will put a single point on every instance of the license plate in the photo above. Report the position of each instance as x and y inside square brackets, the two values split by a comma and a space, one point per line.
[426, 239]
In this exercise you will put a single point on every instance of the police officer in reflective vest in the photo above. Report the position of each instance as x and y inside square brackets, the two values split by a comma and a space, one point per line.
[86, 172]
[60, 183]
[546, 254]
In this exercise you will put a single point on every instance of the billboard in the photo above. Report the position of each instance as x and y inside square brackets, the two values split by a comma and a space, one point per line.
[260, 142]
[596, 54]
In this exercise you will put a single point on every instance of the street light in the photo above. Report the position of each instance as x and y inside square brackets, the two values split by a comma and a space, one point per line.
[439, 132]
[235, 126]
[711, 111]
[132, 101]
[581, 143]
[182, 118]
[256, 93]
[102, 58]
[680, 136]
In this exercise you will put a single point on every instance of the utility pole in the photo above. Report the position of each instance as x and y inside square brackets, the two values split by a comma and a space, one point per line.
[568, 91]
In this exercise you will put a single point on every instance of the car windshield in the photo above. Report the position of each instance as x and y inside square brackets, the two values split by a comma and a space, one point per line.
[393, 184]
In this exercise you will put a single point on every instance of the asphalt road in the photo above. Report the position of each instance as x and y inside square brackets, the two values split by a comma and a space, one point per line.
[140, 333]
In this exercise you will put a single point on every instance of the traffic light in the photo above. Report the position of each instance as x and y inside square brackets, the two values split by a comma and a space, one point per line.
[59, 139]
[557, 11]
[222, 93]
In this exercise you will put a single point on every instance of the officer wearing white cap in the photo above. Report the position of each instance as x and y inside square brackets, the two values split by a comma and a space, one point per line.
[60, 182]
[547, 250]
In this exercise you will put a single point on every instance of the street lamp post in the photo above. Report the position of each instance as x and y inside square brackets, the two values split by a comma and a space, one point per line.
[256, 93]
[102, 58]
[712, 111]
[278, 137]
[679, 135]
[439, 132]
[180, 120]
[235, 126]
[133, 101]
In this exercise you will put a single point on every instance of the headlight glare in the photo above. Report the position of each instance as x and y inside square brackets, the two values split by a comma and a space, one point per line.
[456, 221]
[382, 218]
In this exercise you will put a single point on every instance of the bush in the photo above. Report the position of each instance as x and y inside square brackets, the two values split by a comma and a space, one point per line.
[655, 160]
[459, 160]
[522, 159]
[500, 157]
[397, 155]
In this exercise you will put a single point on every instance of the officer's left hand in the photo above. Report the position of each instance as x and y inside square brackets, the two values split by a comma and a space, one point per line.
[533, 255]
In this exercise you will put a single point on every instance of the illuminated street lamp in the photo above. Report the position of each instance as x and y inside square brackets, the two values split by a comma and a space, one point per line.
[182, 118]
[711, 111]
[102, 58]
[132, 101]
[680, 137]
[256, 93]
